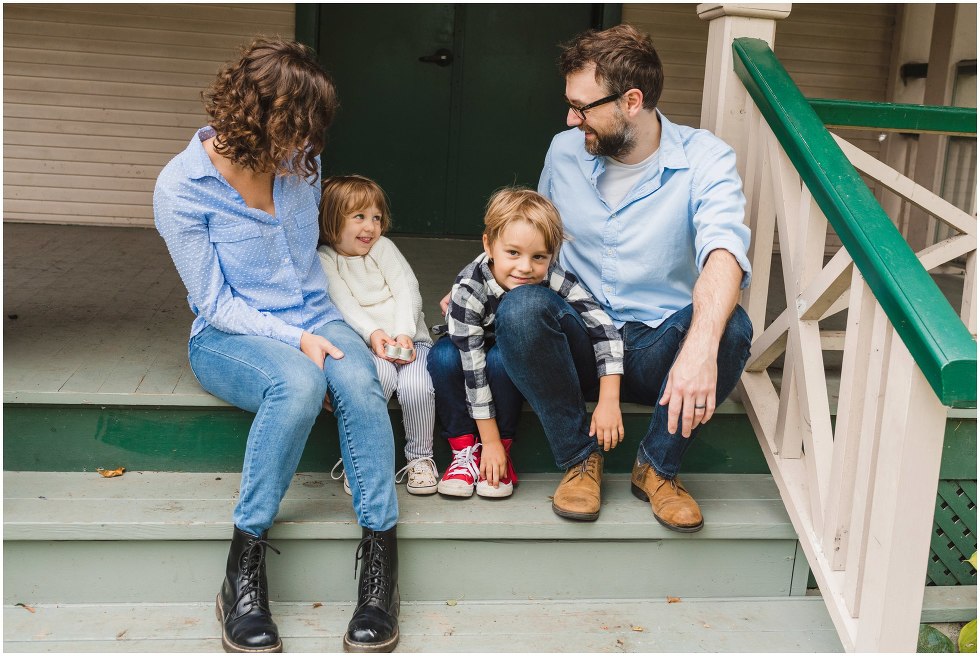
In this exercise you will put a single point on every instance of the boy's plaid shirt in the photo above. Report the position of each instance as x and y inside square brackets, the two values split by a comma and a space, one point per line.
[472, 312]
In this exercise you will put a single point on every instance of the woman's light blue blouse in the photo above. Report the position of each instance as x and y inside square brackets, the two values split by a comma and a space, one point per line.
[247, 272]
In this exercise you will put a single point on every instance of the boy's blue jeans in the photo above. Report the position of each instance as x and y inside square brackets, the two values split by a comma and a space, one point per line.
[446, 371]
[549, 356]
[285, 390]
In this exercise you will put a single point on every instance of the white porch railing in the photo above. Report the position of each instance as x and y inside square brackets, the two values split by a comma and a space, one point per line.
[860, 491]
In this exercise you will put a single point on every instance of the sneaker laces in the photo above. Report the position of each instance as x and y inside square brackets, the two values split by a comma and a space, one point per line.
[415, 466]
[371, 554]
[251, 568]
[333, 472]
[464, 462]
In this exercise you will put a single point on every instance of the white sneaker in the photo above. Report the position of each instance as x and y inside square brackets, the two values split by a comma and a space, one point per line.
[423, 476]
[335, 476]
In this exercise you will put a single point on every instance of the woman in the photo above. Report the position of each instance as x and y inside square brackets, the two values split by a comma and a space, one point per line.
[238, 211]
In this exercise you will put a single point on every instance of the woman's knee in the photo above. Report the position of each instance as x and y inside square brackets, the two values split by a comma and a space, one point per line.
[300, 391]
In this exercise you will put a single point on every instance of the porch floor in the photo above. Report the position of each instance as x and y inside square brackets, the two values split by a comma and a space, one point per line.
[98, 315]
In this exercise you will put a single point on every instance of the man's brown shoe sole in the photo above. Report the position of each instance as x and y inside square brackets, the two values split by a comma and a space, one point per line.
[641, 495]
[584, 517]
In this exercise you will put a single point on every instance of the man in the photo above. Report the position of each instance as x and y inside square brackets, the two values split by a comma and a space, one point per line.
[655, 215]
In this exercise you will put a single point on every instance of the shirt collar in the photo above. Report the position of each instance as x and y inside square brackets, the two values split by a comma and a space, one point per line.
[483, 262]
[671, 151]
[199, 165]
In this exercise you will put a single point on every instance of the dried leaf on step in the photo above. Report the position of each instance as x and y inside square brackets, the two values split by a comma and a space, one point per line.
[973, 560]
[673, 600]
[121, 634]
[26, 607]
[638, 629]
[451, 602]
[317, 604]
[111, 473]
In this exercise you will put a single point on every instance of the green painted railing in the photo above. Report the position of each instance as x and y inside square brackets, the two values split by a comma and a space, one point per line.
[892, 117]
[936, 337]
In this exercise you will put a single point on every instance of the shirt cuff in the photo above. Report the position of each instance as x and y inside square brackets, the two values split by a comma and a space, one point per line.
[736, 249]
[290, 335]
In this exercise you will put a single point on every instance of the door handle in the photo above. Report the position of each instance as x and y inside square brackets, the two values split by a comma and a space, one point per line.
[441, 57]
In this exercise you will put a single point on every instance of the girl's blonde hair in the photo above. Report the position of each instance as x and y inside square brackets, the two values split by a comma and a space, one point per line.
[343, 194]
[512, 204]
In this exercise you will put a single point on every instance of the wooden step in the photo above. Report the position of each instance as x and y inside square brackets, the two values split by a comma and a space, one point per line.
[163, 537]
[799, 624]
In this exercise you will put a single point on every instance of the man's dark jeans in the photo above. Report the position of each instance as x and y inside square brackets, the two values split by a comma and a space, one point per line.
[549, 357]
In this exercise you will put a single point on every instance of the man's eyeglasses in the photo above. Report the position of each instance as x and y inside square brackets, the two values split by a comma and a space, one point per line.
[580, 111]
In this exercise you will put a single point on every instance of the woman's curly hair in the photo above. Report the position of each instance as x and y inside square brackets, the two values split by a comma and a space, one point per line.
[270, 108]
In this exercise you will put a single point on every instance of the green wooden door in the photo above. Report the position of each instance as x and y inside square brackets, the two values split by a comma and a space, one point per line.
[440, 135]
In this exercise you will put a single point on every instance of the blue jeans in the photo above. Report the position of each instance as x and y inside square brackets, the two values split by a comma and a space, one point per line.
[446, 370]
[285, 390]
[549, 356]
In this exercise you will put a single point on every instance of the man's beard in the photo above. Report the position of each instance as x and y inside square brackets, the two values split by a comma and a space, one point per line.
[618, 143]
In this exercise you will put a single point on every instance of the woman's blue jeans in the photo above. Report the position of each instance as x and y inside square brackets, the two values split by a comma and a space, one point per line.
[549, 356]
[285, 390]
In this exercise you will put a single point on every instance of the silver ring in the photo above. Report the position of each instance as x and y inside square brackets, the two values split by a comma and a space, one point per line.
[700, 407]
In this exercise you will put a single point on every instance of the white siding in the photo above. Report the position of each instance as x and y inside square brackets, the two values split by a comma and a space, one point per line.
[97, 98]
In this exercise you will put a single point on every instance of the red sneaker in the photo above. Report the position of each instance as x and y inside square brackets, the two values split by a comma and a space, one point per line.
[505, 487]
[461, 474]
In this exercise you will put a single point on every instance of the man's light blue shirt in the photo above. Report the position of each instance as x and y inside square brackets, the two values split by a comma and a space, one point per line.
[247, 272]
[641, 258]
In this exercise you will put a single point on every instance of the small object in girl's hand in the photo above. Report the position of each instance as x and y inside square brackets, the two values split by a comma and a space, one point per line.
[440, 329]
[399, 352]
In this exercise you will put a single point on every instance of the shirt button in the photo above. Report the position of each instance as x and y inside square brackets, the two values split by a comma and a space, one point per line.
[609, 289]
[285, 259]
[609, 251]
[612, 216]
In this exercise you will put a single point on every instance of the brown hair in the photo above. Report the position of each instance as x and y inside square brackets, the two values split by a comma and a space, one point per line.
[513, 204]
[343, 194]
[624, 59]
[270, 108]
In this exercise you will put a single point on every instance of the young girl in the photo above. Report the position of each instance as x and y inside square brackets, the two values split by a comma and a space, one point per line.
[474, 396]
[375, 290]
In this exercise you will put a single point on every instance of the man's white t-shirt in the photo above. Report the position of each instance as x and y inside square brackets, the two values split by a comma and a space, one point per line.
[619, 179]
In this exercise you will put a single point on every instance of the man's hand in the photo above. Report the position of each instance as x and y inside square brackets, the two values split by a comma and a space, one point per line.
[690, 390]
[317, 348]
[493, 462]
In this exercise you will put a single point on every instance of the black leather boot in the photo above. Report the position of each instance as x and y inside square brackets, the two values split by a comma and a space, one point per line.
[243, 603]
[374, 627]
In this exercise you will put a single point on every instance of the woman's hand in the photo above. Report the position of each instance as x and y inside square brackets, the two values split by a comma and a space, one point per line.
[607, 424]
[379, 340]
[317, 348]
[493, 462]
[405, 341]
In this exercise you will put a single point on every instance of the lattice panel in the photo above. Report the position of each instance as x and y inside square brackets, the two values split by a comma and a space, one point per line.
[954, 534]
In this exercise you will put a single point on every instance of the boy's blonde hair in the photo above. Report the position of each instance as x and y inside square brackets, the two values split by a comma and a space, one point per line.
[343, 194]
[519, 204]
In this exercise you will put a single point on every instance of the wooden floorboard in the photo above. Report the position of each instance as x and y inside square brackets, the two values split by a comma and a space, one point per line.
[691, 625]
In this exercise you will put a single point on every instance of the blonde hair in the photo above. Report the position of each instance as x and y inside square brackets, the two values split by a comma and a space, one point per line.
[343, 194]
[513, 204]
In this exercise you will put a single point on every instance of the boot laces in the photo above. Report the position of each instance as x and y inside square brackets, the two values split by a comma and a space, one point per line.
[588, 467]
[464, 461]
[251, 592]
[373, 559]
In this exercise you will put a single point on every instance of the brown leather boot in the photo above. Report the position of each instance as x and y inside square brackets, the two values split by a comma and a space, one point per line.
[578, 495]
[672, 505]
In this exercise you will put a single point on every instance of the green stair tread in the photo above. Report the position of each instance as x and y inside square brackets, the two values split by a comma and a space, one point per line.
[726, 625]
[194, 506]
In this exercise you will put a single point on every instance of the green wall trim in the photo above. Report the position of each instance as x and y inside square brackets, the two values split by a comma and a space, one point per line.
[893, 117]
[934, 334]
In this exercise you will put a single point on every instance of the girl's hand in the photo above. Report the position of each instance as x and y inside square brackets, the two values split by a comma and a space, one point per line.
[379, 340]
[444, 304]
[405, 341]
[607, 424]
[317, 348]
[493, 462]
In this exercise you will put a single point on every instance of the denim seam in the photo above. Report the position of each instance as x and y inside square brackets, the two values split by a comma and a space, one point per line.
[585, 453]
[341, 412]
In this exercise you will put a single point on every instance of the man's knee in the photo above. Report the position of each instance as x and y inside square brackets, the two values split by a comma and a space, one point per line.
[523, 305]
[738, 332]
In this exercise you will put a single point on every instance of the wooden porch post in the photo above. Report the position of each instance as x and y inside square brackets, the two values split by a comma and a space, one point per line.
[727, 111]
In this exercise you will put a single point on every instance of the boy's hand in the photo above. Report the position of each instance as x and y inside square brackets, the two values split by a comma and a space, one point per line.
[380, 339]
[607, 424]
[493, 462]
[405, 341]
